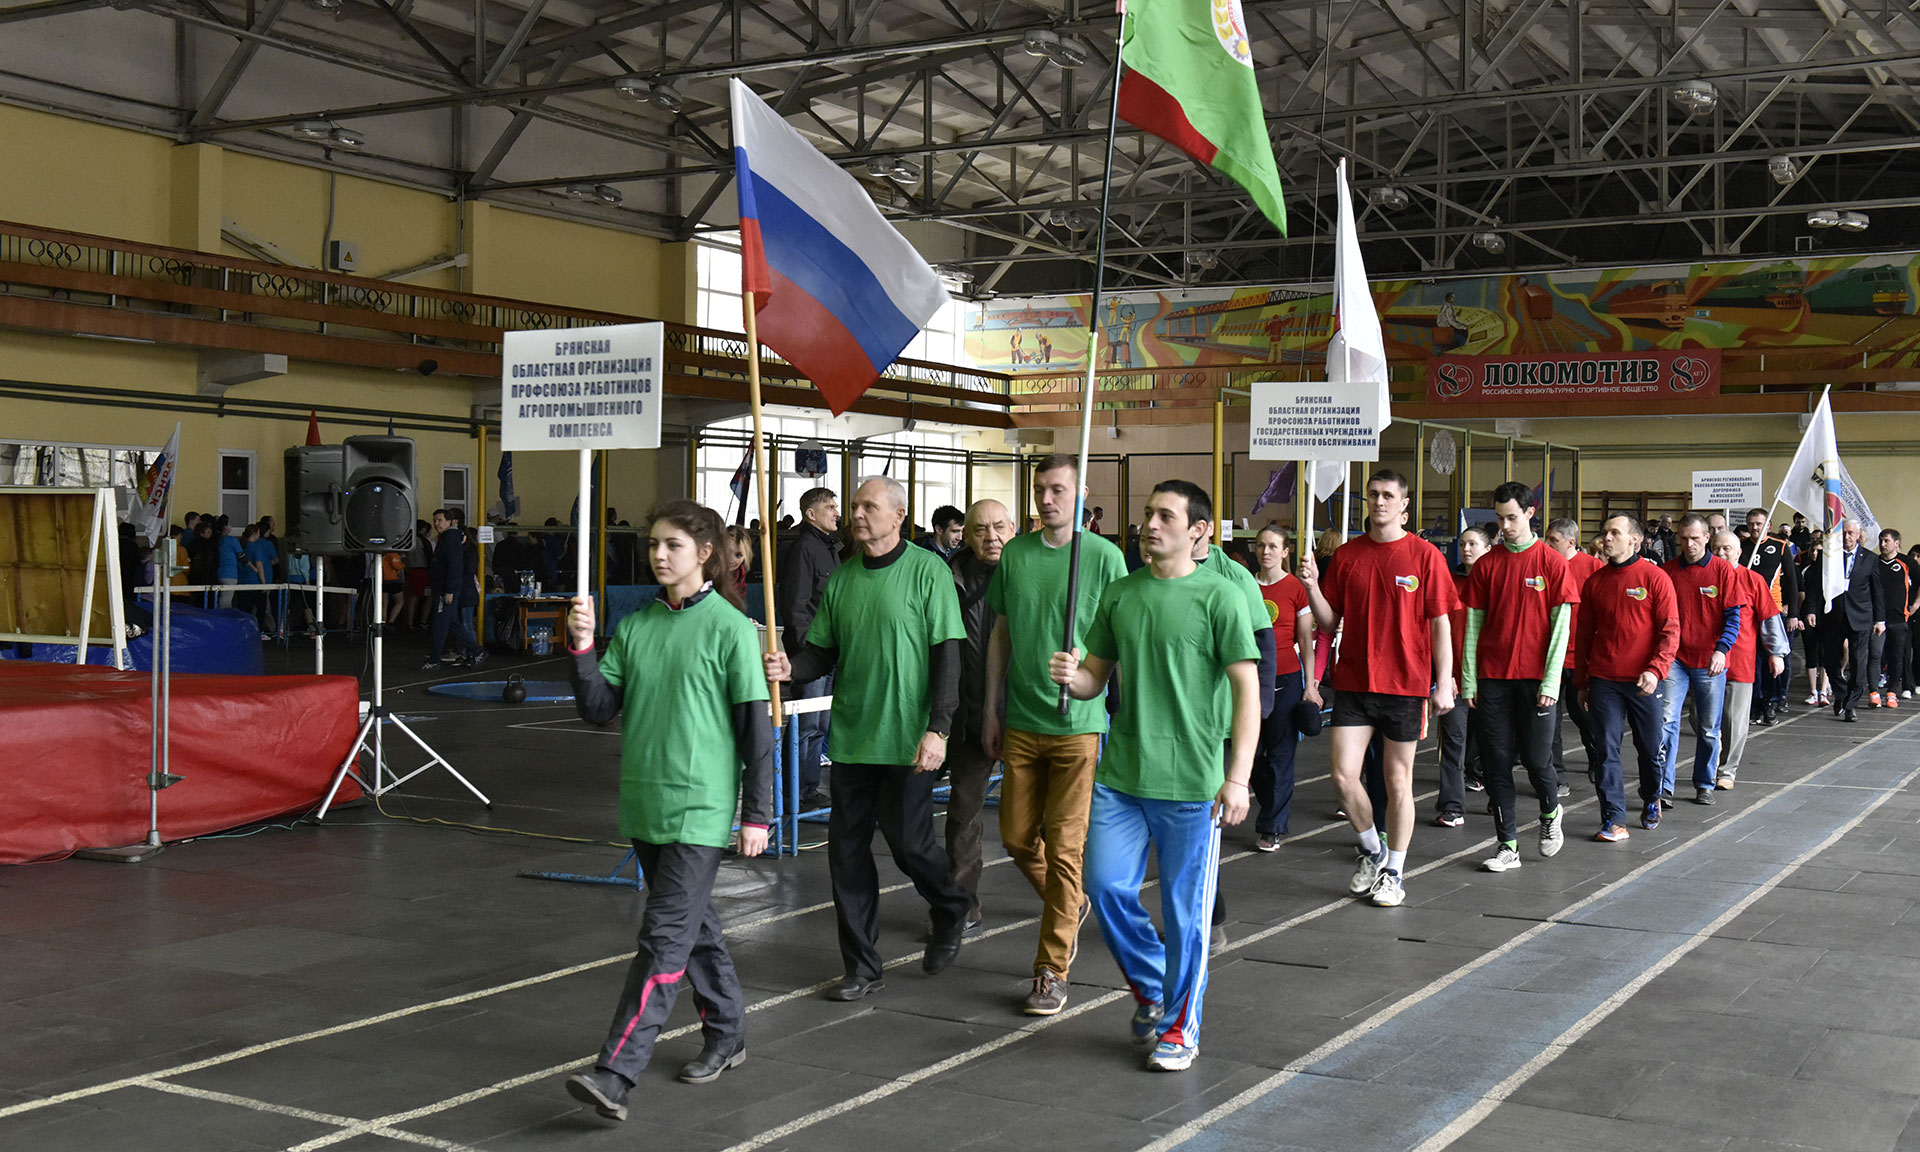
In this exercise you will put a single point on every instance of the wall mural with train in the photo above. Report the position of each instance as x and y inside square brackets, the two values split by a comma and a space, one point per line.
[1854, 311]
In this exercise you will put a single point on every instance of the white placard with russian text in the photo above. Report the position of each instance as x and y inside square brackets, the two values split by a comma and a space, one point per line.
[1314, 422]
[1730, 488]
[582, 388]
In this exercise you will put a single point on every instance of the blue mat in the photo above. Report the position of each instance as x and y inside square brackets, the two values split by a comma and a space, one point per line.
[538, 691]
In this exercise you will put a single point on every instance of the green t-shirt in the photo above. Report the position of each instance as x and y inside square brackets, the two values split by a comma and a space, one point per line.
[1029, 590]
[1221, 564]
[884, 622]
[682, 672]
[1173, 640]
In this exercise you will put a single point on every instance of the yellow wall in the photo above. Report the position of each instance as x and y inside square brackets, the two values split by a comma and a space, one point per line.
[63, 173]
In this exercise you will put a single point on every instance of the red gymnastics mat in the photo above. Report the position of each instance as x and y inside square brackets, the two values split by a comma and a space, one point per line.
[75, 747]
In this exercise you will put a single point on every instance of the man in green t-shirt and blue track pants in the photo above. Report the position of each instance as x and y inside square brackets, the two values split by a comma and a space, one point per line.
[1175, 631]
[891, 623]
[1048, 758]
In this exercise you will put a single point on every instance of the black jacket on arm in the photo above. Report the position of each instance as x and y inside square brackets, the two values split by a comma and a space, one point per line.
[801, 578]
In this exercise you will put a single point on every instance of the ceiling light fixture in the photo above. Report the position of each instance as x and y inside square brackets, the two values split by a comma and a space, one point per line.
[1783, 170]
[1853, 221]
[666, 98]
[634, 88]
[895, 168]
[1492, 243]
[1202, 258]
[1065, 51]
[1823, 218]
[326, 5]
[607, 194]
[1695, 97]
[1388, 198]
[581, 192]
[346, 138]
[313, 129]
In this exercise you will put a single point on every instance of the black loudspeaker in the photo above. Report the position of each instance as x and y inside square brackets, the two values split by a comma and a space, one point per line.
[316, 499]
[379, 510]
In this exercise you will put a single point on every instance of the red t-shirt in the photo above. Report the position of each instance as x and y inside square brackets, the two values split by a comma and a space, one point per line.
[1386, 596]
[1518, 591]
[1286, 598]
[1629, 623]
[1704, 593]
[1580, 565]
[1756, 605]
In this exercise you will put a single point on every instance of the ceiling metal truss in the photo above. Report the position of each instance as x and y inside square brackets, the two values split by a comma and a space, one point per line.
[1580, 131]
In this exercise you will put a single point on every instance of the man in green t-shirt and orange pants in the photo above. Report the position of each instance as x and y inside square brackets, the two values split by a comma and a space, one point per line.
[1048, 758]
[1176, 632]
[889, 627]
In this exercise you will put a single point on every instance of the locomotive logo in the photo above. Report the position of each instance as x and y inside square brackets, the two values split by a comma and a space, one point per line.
[1455, 379]
[1688, 373]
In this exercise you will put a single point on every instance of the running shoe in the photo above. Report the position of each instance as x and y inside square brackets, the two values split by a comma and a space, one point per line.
[1266, 842]
[1564, 792]
[1612, 834]
[1476, 786]
[1366, 869]
[1551, 837]
[1906, 694]
[1892, 701]
[1650, 818]
[1505, 860]
[1873, 699]
[1449, 820]
[1049, 995]
[1813, 698]
[1167, 1057]
[1145, 1025]
[1388, 891]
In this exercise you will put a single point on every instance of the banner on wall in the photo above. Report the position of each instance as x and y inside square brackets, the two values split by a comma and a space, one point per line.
[1652, 374]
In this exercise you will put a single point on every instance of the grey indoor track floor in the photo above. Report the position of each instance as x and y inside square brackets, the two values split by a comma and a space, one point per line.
[1745, 978]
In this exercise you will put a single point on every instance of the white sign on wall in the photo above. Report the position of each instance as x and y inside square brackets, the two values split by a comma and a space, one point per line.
[1314, 422]
[582, 388]
[1730, 488]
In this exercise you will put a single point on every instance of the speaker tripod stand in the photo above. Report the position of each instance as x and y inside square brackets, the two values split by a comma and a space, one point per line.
[383, 780]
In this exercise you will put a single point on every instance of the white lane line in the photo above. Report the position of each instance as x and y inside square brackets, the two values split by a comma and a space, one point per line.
[1562, 1043]
[465, 1098]
[304, 1114]
[1295, 1067]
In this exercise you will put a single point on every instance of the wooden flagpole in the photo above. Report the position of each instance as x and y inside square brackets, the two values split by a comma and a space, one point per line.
[760, 487]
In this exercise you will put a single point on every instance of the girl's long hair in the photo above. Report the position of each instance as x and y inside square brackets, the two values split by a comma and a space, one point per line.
[703, 524]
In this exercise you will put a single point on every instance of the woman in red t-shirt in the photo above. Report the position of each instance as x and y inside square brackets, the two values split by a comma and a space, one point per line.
[1286, 601]
[1459, 729]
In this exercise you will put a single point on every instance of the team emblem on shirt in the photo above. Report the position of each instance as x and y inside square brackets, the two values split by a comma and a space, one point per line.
[1712, 590]
[1636, 593]
[1537, 583]
[1410, 583]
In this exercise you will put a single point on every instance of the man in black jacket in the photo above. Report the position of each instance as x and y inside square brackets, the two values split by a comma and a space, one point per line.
[804, 567]
[451, 574]
[1781, 575]
[1856, 615]
[988, 528]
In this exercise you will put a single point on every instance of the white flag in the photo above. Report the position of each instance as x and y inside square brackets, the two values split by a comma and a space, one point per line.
[1853, 505]
[1812, 488]
[1357, 352]
[149, 517]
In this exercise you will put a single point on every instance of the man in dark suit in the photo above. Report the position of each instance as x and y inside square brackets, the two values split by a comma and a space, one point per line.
[1856, 615]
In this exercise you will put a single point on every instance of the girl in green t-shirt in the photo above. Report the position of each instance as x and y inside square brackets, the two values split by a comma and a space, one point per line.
[685, 675]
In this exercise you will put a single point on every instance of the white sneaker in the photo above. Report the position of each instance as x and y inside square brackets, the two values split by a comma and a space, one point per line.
[1505, 860]
[1907, 695]
[1366, 869]
[1551, 838]
[1388, 891]
[1168, 1057]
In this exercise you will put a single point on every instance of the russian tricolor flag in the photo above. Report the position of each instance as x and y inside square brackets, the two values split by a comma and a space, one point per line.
[837, 292]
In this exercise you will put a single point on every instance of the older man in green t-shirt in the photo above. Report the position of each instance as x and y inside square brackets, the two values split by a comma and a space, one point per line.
[1048, 757]
[889, 627]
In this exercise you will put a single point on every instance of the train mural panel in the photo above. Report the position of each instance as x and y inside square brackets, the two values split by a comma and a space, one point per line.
[1854, 309]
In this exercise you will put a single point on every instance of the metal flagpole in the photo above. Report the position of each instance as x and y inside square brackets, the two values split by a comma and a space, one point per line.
[1093, 338]
[760, 483]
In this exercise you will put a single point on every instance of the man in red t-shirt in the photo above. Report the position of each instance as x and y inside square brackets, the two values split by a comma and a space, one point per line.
[1563, 536]
[1519, 620]
[1623, 644]
[1703, 586]
[1393, 591]
[1760, 625]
